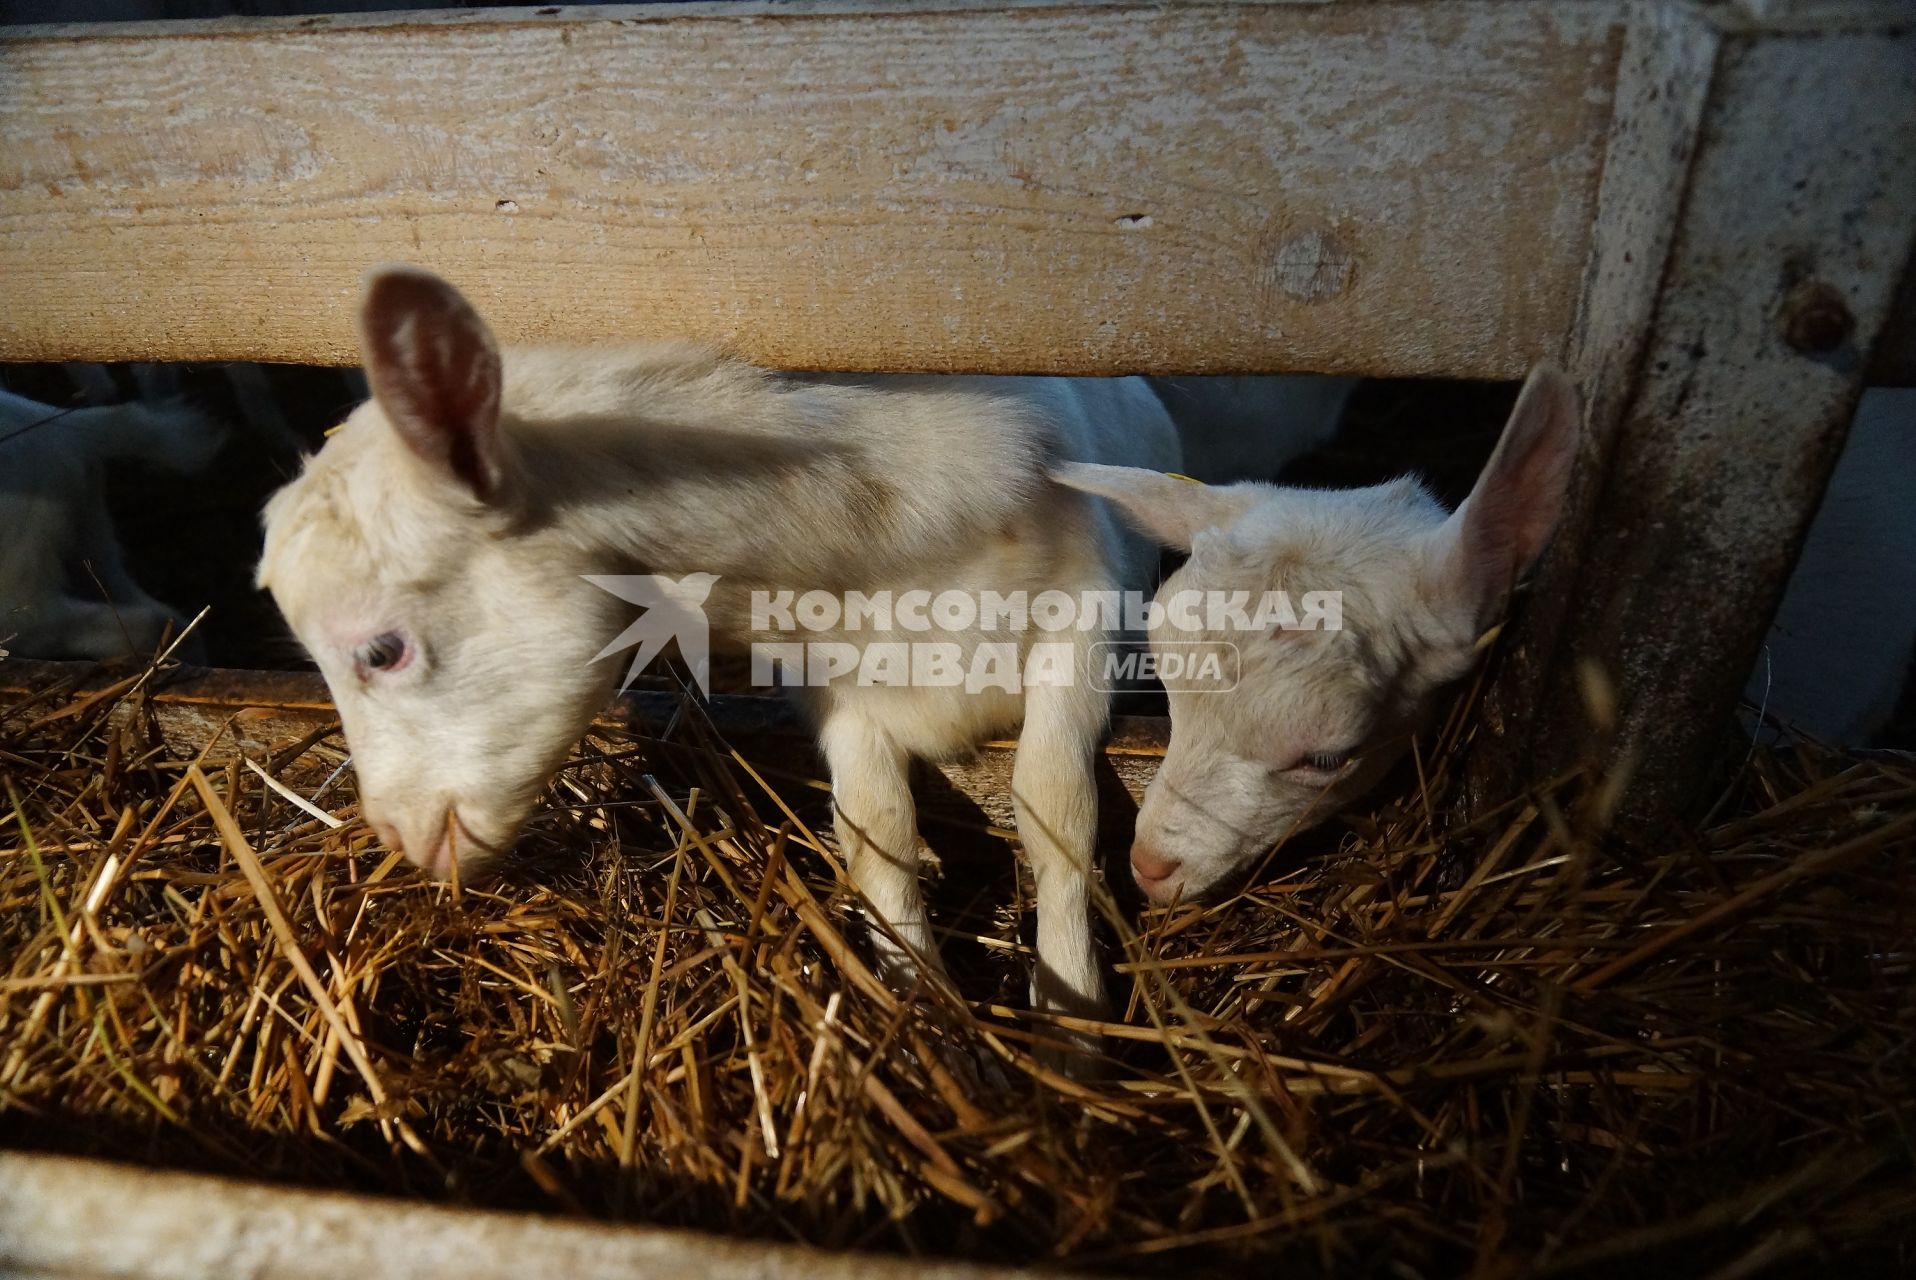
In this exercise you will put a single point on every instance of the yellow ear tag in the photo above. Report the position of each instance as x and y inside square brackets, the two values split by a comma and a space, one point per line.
[1176, 475]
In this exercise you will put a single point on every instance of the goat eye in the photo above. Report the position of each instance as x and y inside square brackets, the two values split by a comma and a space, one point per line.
[1326, 761]
[384, 652]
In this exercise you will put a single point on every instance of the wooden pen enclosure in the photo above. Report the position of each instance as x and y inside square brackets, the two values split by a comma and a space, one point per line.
[1705, 211]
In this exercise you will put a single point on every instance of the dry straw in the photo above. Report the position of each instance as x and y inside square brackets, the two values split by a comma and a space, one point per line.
[1416, 1045]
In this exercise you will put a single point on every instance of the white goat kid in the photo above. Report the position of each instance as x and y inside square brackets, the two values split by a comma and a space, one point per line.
[1316, 716]
[64, 588]
[431, 558]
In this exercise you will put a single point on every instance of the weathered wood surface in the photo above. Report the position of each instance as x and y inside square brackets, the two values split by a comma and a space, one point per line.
[261, 712]
[1399, 189]
[87, 1218]
[1757, 214]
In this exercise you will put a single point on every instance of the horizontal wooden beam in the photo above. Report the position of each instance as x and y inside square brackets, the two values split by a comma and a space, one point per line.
[261, 712]
[1011, 187]
[65, 1217]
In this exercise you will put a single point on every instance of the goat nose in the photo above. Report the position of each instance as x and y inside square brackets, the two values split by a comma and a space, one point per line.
[1151, 868]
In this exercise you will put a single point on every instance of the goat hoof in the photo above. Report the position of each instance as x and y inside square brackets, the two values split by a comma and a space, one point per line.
[1074, 1054]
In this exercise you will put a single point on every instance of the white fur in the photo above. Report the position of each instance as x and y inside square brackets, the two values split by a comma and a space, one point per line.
[1418, 587]
[1836, 658]
[469, 538]
[64, 589]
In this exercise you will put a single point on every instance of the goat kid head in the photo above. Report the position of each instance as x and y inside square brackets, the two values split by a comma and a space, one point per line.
[443, 605]
[1317, 716]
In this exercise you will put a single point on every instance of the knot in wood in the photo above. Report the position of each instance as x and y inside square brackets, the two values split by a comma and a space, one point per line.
[1312, 265]
[1815, 318]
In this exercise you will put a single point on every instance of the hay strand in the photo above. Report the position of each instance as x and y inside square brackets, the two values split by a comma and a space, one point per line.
[1516, 1045]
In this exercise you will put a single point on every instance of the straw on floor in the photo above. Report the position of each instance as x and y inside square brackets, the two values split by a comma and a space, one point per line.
[1418, 1046]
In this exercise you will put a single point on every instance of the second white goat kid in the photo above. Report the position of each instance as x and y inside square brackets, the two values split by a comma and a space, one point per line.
[1317, 715]
[431, 557]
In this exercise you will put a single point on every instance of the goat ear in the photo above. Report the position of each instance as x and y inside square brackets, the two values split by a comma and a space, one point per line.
[1503, 526]
[434, 369]
[1170, 508]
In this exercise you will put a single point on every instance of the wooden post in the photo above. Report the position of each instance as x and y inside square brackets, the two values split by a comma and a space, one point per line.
[1757, 210]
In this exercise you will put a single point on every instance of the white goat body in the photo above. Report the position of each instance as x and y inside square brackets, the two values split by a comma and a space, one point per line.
[1316, 716]
[431, 557]
[64, 588]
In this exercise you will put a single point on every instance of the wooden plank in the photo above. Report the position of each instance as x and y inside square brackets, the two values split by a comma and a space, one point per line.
[1722, 360]
[261, 712]
[66, 1217]
[1012, 187]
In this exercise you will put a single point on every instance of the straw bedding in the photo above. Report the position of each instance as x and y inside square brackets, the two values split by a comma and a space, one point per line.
[1414, 1046]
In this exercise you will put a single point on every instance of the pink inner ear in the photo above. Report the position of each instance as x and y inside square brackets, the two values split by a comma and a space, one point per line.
[434, 368]
[1171, 509]
[1506, 522]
